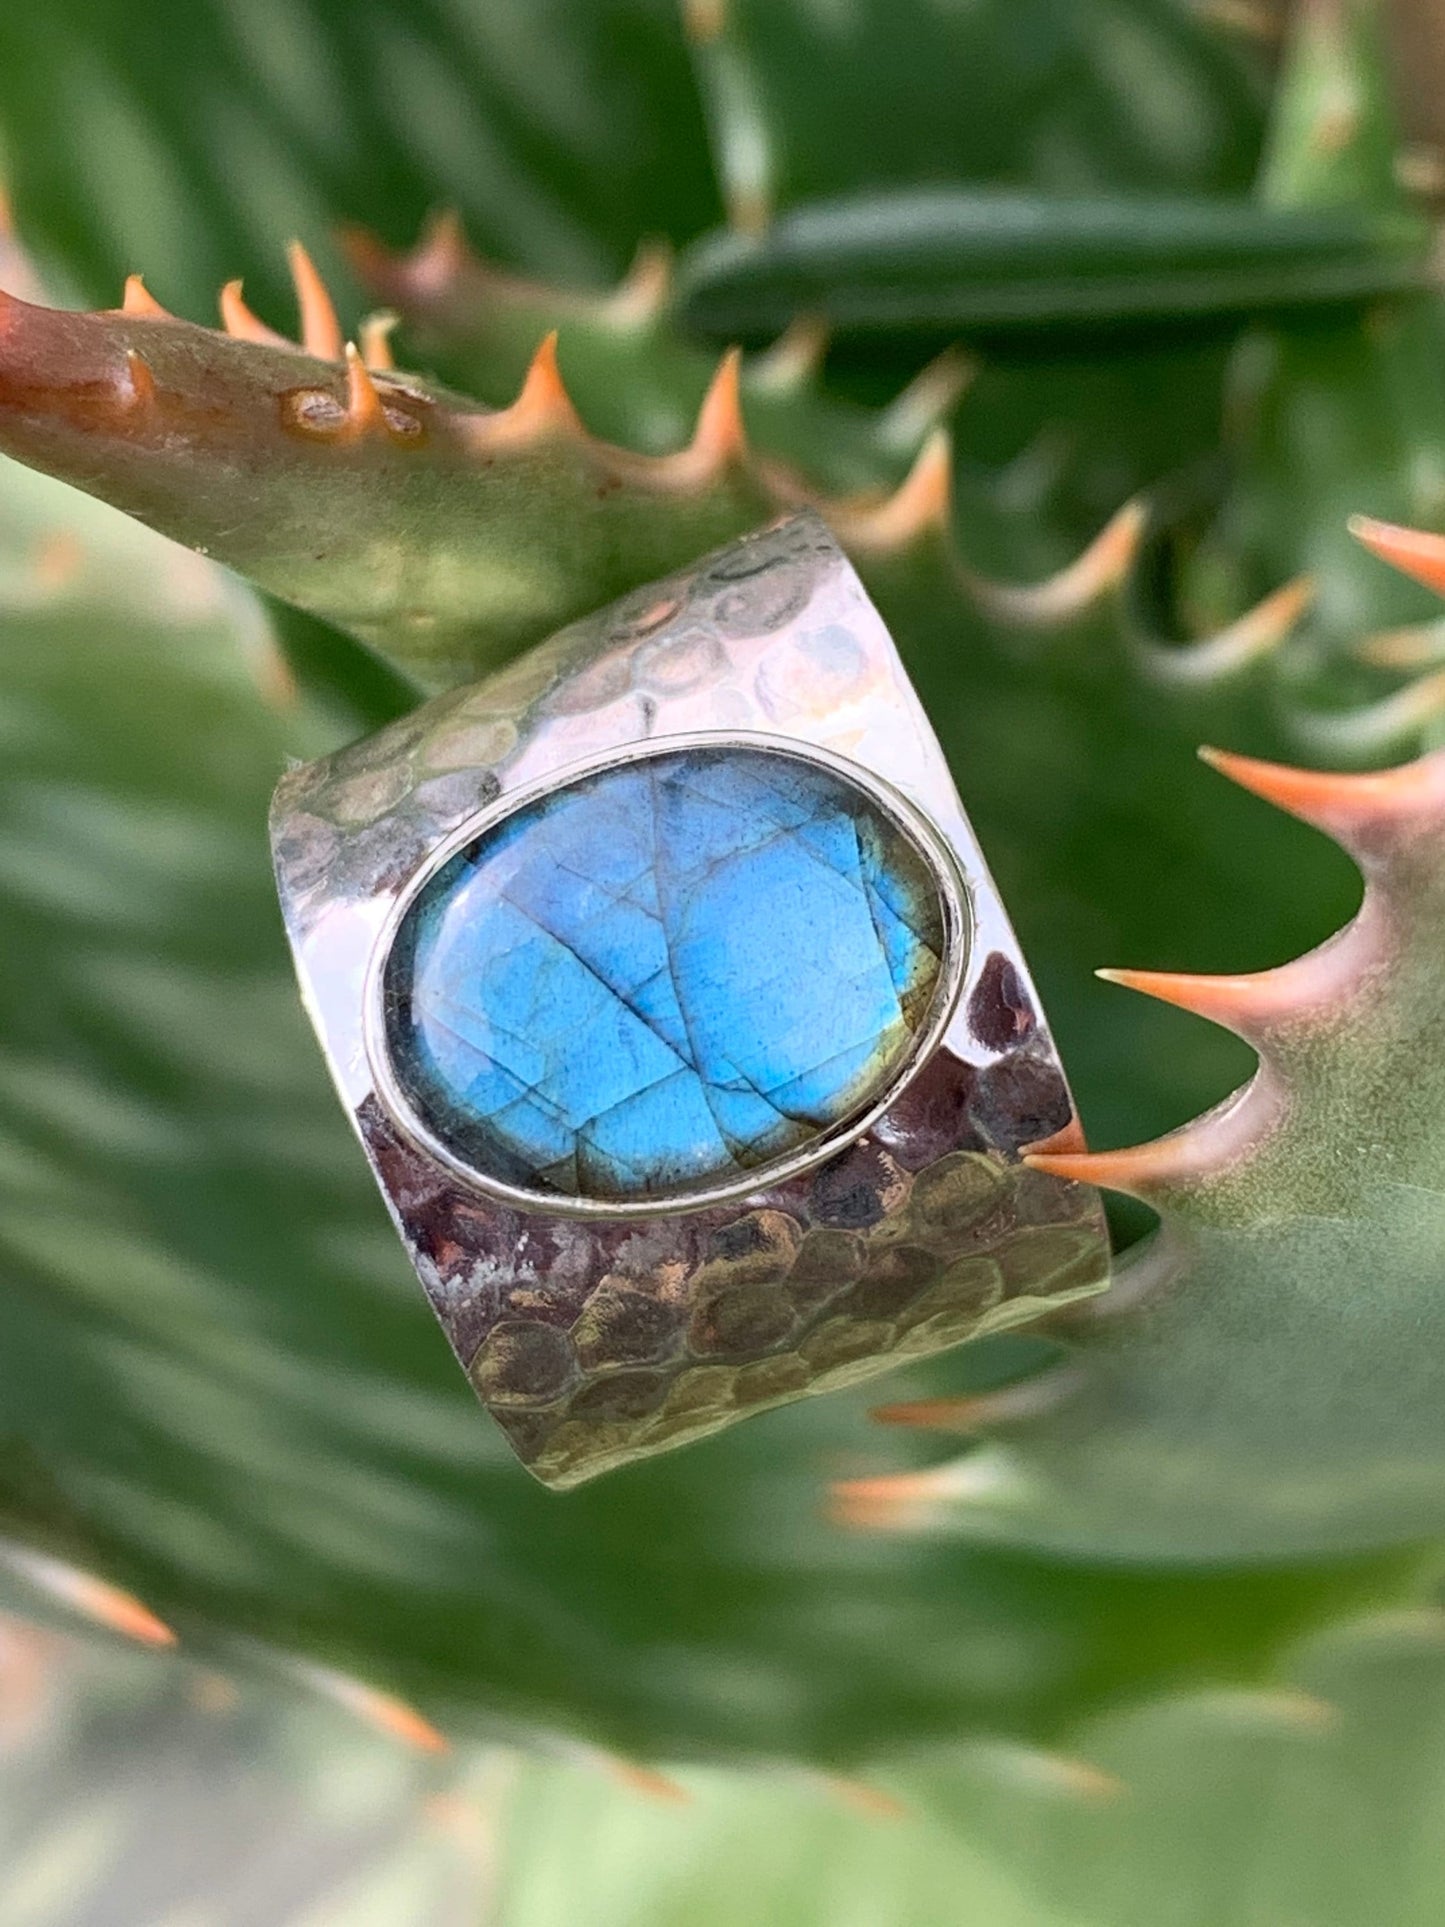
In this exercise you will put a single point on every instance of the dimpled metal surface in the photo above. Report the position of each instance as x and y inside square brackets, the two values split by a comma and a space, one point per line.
[663, 976]
[595, 1338]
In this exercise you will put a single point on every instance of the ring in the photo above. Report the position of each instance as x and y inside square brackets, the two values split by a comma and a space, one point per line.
[664, 982]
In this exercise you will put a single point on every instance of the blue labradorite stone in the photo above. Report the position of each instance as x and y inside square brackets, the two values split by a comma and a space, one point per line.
[663, 976]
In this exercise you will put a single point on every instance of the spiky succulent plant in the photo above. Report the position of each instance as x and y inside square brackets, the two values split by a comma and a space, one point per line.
[1088, 324]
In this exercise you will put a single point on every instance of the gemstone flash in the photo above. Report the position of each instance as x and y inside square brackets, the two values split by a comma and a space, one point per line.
[665, 976]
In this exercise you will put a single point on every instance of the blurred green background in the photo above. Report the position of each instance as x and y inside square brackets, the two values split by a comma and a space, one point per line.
[691, 1694]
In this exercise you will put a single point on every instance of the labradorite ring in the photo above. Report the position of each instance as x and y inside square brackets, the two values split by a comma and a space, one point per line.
[666, 987]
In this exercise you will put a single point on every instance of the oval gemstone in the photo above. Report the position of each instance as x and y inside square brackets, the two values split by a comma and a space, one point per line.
[664, 976]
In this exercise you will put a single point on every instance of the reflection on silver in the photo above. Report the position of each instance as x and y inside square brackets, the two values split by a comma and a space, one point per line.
[594, 1334]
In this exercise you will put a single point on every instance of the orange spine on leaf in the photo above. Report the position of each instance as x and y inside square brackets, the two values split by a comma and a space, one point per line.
[320, 330]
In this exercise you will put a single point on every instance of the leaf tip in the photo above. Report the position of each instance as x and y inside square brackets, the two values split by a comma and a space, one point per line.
[1242, 1004]
[241, 324]
[928, 400]
[137, 299]
[386, 1712]
[925, 1500]
[921, 505]
[1096, 572]
[704, 21]
[1134, 1170]
[719, 440]
[861, 1796]
[543, 406]
[139, 387]
[644, 291]
[1001, 1405]
[99, 1600]
[649, 1782]
[376, 333]
[1414, 552]
[1346, 807]
[441, 256]
[320, 330]
[364, 412]
[794, 359]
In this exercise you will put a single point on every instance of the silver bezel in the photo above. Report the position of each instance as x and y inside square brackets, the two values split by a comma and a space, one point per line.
[958, 943]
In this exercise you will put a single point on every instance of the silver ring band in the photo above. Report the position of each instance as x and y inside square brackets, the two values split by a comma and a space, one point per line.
[667, 989]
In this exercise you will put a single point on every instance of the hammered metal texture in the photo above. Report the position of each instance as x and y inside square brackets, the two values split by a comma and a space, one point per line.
[594, 1339]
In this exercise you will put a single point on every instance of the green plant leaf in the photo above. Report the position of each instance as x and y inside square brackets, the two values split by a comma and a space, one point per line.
[1263, 1385]
[1334, 136]
[192, 140]
[133, 1787]
[808, 102]
[633, 376]
[1325, 422]
[1317, 1799]
[998, 265]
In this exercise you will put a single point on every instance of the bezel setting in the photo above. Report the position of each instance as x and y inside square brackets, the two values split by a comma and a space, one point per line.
[894, 808]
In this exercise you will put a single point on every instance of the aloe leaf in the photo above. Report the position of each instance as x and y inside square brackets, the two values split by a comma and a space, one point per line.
[1326, 422]
[1296, 1217]
[130, 1788]
[195, 139]
[134, 1789]
[1032, 92]
[1314, 1796]
[1344, 415]
[431, 524]
[1334, 137]
[635, 378]
[288, 1463]
[1001, 264]
[731, 1850]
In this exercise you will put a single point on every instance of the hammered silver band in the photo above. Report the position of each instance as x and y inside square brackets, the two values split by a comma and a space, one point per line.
[600, 1328]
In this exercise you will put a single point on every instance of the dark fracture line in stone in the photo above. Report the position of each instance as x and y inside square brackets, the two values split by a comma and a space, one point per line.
[666, 911]
[647, 1023]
